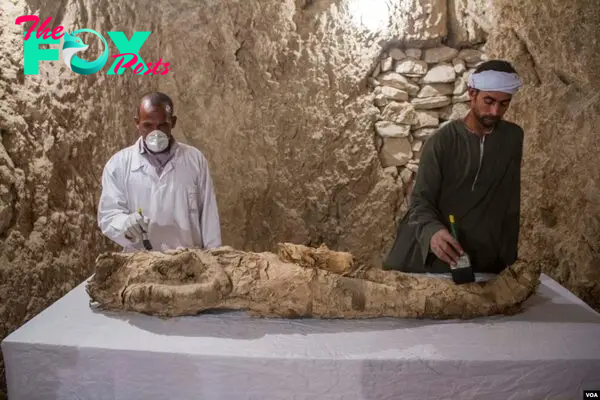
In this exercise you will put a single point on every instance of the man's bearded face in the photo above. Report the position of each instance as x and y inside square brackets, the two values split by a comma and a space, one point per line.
[489, 107]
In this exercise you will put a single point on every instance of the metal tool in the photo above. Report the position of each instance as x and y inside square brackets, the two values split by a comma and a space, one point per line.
[145, 240]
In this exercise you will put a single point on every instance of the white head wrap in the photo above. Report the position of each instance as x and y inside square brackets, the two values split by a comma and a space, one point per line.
[495, 81]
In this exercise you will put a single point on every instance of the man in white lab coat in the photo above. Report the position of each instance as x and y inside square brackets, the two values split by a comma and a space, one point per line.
[168, 181]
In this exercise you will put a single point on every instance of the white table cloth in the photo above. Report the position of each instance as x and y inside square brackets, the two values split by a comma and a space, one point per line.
[551, 351]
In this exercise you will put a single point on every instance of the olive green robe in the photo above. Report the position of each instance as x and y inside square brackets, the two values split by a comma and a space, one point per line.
[477, 179]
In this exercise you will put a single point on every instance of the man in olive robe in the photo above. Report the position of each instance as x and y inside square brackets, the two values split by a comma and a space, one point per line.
[469, 168]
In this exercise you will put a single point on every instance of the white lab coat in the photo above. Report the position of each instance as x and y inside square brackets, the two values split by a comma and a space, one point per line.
[180, 204]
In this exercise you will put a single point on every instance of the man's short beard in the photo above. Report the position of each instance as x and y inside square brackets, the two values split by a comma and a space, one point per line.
[487, 122]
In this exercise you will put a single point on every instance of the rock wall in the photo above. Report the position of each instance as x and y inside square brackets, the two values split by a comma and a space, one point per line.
[556, 48]
[57, 129]
[277, 95]
[417, 91]
[278, 101]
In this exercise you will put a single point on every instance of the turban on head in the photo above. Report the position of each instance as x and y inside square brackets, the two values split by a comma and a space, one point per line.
[495, 81]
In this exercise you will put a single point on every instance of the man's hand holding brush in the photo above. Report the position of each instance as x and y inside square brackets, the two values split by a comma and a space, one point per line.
[445, 247]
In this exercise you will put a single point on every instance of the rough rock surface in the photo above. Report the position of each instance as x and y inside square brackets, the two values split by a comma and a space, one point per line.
[297, 281]
[57, 129]
[559, 110]
[276, 94]
[468, 22]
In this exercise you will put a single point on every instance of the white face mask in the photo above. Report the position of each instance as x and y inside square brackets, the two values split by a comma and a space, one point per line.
[157, 141]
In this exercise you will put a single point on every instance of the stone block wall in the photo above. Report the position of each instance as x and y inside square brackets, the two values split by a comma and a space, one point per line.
[417, 90]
